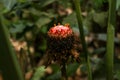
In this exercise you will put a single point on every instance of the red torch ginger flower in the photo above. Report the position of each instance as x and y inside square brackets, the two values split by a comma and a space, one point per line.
[61, 43]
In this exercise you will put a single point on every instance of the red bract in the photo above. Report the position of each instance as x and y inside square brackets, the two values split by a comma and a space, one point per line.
[60, 31]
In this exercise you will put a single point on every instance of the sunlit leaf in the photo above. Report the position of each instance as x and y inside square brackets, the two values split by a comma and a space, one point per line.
[8, 4]
[39, 73]
[117, 4]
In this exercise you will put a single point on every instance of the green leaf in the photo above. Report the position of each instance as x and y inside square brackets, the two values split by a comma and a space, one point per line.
[39, 73]
[8, 4]
[55, 68]
[44, 3]
[22, 1]
[71, 69]
[98, 3]
[99, 50]
[55, 76]
[9, 64]
[56, 73]
[101, 18]
[117, 69]
[117, 4]
[43, 20]
[65, 3]
[18, 27]
[118, 74]
[71, 19]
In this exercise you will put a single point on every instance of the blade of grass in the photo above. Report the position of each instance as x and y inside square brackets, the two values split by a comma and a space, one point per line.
[9, 65]
[82, 37]
[110, 40]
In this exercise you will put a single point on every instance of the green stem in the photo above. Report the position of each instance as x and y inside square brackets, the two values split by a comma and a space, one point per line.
[63, 71]
[80, 23]
[9, 65]
[110, 40]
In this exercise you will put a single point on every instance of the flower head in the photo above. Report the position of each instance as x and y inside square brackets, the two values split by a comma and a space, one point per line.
[61, 43]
